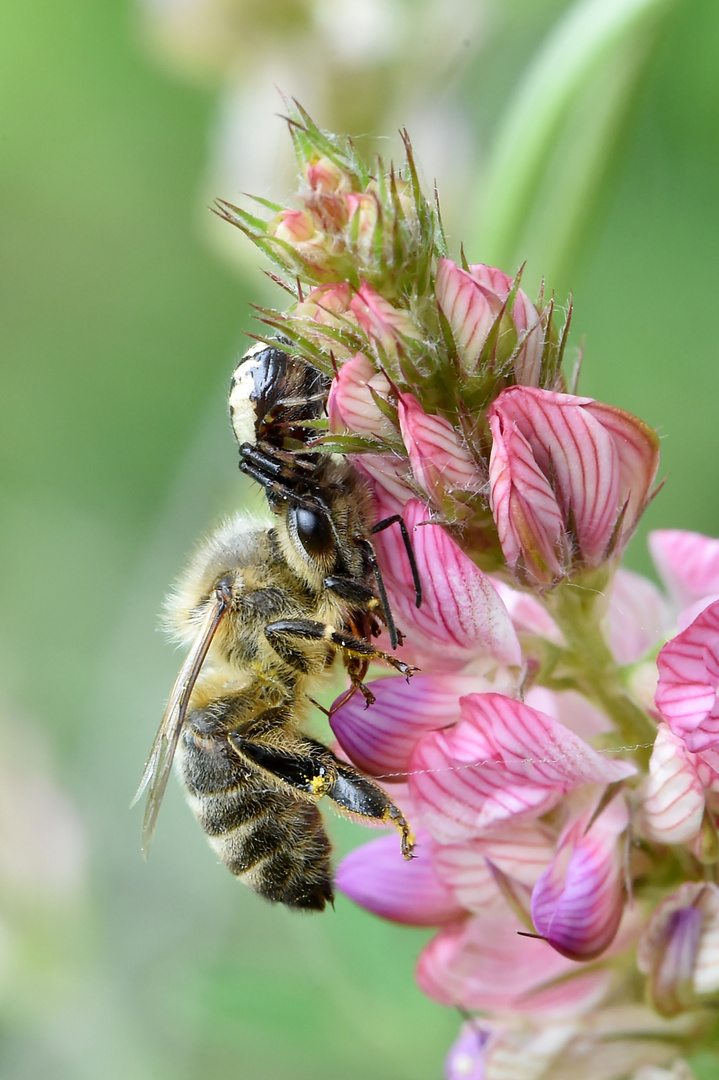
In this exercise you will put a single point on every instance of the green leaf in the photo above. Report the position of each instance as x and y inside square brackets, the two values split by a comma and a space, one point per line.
[561, 131]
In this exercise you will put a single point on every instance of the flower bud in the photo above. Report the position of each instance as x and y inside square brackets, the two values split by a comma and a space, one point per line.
[293, 226]
[363, 212]
[440, 461]
[472, 300]
[679, 949]
[325, 176]
[527, 360]
[569, 478]
[469, 307]
[324, 303]
[351, 405]
[578, 902]
[384, 325]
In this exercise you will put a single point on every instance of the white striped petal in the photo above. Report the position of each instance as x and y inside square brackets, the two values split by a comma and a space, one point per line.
[440, 460]
[521, 852]
[600, 461]
[351, 406]
[461, 617]
[673, 804]
[469, 307]
[525, 509]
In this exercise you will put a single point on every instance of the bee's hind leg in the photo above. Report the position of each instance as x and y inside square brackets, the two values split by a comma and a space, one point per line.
[315, 772]
[359, 798]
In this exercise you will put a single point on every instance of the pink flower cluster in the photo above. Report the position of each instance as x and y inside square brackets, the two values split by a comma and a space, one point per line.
[558, 753]
[523, 827]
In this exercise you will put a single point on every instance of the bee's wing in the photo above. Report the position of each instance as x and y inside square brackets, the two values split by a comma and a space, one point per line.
[159, 763]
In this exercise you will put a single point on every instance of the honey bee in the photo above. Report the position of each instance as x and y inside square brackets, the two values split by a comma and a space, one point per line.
[265, 612]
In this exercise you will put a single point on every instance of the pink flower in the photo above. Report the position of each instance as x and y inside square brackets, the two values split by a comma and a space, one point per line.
[375, 741]
[688, 677]
[483, 963]
[569, 478]
[612, 1043]
[477, 870]
[462, 619]
[440, 461]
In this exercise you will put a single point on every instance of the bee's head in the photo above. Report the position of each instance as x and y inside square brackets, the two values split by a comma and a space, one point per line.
[323, 537]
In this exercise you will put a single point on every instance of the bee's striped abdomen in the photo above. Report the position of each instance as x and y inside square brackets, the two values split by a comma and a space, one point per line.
[271, 839]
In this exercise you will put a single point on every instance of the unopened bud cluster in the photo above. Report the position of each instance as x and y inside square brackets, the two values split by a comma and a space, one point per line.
[443, 369]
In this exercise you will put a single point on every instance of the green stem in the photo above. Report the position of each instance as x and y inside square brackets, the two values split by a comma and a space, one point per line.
[587, 660]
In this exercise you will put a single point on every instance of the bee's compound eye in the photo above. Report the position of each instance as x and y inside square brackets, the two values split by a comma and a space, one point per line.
[313, 530]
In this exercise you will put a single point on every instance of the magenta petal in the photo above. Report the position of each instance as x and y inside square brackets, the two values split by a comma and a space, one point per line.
[380, 739]
[377, 878]
[502, 762]
[461, 614]
[688, 676]
[688, 563]
[578, 902]
[465, 1060]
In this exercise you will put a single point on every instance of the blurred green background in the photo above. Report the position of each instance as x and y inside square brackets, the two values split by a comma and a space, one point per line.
[119, 328]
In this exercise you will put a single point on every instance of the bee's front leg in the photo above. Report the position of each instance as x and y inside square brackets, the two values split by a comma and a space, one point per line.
[280, 635]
